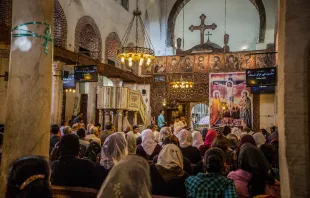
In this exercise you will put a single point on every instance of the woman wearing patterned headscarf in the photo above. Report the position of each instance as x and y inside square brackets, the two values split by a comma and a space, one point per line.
[188, 151]
[168, 175]
[148, 148]
[113, 150]
[164, 132]
[120, 181]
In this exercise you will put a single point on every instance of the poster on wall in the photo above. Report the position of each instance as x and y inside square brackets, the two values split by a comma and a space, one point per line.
[230, 100]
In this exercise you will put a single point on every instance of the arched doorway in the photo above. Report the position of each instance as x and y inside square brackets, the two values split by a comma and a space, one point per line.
[200, 116]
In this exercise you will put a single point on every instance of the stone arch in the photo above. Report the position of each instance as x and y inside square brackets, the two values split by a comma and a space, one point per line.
[179, 5]
[60, 26]
[112, 45]
[87, 36]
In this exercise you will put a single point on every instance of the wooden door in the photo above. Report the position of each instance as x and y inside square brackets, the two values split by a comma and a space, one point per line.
[83, 106]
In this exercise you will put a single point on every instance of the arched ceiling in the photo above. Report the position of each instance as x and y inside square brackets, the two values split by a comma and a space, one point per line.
[179, 5]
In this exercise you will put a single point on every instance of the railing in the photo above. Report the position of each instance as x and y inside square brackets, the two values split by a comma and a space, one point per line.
[121, 98]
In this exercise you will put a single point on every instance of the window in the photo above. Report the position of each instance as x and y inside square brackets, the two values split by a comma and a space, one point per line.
[125, 4]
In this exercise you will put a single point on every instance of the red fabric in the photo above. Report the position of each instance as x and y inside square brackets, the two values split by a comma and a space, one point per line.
[211, 135]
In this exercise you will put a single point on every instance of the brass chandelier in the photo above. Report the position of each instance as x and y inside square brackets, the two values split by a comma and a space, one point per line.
[182, 84]
[138, 53]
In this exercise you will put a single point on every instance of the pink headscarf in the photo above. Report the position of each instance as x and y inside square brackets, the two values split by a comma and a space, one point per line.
[211, 135]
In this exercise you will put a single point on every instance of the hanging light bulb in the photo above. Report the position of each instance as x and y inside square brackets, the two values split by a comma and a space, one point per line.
[73, 91]
[123, 60]
[130, 61]
[148, 61]
[141, 61]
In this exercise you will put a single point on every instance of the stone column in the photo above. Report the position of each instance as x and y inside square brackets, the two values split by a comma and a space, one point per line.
[101, 117]
[107, 117]
[113, 117]
[27, 126]
[91, 101]
[119, 120]
[116, 82]
[135, 118]
[293, 97]
[57, 92]
[125, 120]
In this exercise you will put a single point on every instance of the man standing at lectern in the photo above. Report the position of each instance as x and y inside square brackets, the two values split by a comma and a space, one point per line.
[161, 120]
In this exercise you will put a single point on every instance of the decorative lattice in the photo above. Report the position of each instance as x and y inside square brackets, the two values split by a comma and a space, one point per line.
[60, 26]
[87, 36]
[6, 13]
[112, 45]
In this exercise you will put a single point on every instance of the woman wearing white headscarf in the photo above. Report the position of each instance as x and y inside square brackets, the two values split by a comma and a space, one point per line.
[131, 141]
[164, 132]
[113, 150]
[167, 175]
[259, 139]
[186, 141]
[199, 143]
[148, 148]
[120, 182]
[177, 130]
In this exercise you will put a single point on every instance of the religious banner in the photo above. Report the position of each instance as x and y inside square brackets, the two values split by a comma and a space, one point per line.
[160, 64]
[202, 63]
[230, 100]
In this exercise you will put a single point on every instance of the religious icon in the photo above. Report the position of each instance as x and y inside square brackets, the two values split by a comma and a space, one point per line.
[173, 64]
[216, 63]
[160, 65]
[201, 63]
[265, 60]
[216, 108]
[247, 61]
[245, 109]
[232, 63]
[188, 63]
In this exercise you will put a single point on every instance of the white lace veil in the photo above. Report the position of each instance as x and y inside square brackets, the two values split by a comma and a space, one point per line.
[113, 150]
[127, 179]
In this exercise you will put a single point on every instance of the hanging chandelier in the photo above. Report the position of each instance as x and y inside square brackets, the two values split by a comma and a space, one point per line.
[182, 84]
[142, 53]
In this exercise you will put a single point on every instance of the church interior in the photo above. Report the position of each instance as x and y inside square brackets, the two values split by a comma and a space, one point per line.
[159, 79]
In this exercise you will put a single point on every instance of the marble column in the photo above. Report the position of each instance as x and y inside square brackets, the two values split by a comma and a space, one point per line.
[57, 92]
[135, 118]
[91, 101]
[293, 99]
[113, 114]
[116, 82]
[101, 117]
[125, 120]
[107, 116]
[119, 120]
[27, 126]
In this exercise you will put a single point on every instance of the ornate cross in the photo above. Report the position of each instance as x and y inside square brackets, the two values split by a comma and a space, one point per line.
[208, 36]
[202, 27]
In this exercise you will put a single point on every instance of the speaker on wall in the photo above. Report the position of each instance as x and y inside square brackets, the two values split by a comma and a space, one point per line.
[143, 91]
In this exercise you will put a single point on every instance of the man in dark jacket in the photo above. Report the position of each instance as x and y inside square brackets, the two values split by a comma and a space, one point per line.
[69, 170]
[108, 130]
[55, 136]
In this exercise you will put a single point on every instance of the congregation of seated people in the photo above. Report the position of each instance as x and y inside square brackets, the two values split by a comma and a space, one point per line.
[170, 162]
